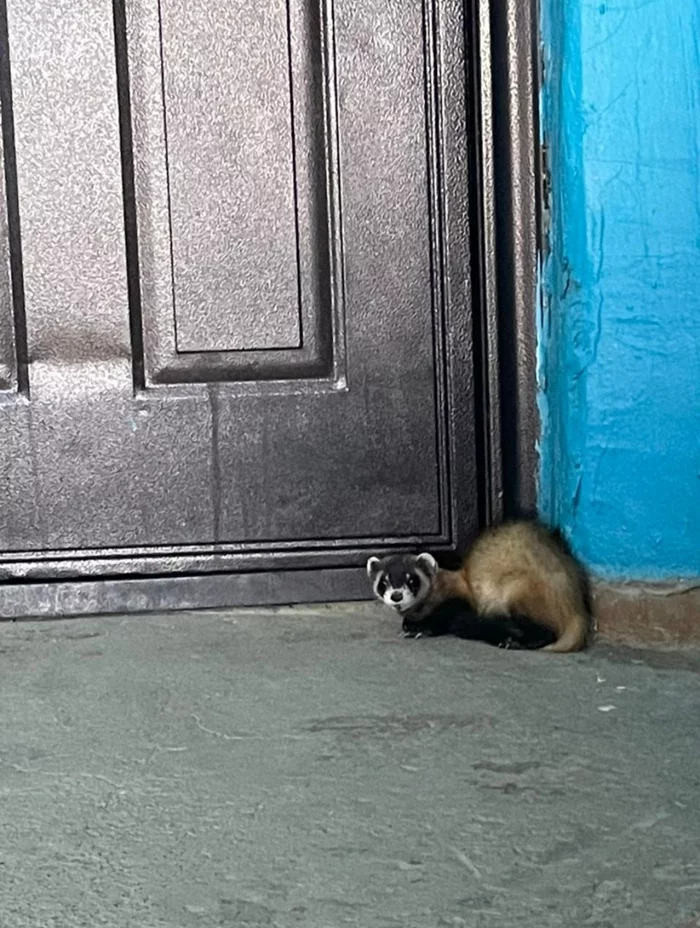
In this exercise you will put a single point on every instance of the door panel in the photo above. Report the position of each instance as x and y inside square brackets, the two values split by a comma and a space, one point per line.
[244, 281]
[264, 267]
[231, 169]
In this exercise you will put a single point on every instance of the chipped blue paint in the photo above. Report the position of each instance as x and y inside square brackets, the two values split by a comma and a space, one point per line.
[619, 314]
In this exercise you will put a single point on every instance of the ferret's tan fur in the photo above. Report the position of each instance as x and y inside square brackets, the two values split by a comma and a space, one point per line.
[518, 568]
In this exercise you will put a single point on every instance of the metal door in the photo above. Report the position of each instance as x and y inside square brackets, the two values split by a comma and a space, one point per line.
[236, 312]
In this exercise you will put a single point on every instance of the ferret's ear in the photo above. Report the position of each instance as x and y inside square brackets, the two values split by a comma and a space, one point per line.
[372, 566]
[428, 563]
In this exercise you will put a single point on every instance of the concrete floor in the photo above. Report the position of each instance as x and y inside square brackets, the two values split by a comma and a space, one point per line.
[311, 768]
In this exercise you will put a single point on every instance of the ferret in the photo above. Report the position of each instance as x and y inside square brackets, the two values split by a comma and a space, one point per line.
[518, 587]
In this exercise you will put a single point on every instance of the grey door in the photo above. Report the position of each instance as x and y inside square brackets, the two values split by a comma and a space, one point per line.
[236, 311]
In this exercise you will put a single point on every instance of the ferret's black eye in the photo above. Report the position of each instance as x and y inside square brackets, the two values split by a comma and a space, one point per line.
[381, 587]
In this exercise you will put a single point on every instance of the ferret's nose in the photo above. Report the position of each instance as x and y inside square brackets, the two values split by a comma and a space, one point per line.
[396, 596]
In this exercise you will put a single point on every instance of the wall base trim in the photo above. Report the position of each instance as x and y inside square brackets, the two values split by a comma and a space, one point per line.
[647, 613]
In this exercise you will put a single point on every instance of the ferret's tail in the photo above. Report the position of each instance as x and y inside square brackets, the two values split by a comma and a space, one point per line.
[574, 635]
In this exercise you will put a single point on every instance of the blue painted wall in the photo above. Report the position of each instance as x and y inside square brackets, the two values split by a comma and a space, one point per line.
[619, 321]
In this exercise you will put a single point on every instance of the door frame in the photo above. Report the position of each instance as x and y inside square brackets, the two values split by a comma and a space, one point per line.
[510, 64]
[505, 223]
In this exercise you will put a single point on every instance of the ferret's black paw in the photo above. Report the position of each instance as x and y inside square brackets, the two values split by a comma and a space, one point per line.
[413, 628]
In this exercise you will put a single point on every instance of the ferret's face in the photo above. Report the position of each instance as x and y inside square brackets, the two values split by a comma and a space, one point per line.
[401, 581]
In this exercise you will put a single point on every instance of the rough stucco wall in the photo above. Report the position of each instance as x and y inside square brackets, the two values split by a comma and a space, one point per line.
[619, 324]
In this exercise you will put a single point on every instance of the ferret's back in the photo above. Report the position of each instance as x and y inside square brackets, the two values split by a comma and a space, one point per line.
[519, 547]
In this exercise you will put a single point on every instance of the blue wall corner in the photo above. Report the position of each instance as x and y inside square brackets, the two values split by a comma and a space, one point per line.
[619, 313]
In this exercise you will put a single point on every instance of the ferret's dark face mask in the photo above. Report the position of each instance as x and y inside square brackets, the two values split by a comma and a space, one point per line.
[401, 581]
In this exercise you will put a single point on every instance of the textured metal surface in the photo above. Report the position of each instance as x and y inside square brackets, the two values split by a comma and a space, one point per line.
[8, 225]
[231, 169]
[514, 61]
[8, 369]
[505, 266]
[316, 258]
[130, 457]
[485, 264]
[109, 597]
[13, 327]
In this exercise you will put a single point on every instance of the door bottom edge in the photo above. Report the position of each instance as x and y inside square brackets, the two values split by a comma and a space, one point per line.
[131, 596]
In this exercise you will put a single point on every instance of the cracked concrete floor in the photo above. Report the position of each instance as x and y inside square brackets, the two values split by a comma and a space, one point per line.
[309, 767]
